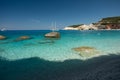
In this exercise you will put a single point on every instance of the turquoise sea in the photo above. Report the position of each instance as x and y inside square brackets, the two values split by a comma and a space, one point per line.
[40, 58]
[107, 42]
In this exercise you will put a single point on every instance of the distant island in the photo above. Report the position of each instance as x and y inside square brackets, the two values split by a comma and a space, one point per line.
[109, 23]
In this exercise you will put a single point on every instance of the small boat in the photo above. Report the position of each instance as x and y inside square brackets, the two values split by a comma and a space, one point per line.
[3, 29]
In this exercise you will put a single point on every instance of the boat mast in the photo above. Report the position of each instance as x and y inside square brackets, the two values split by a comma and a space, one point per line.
[54, 27]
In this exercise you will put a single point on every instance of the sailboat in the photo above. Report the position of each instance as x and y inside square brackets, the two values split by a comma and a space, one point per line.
[54, 27]
[54, 33]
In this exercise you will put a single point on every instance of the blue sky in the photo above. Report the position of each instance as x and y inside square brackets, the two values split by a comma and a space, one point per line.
[39, 14]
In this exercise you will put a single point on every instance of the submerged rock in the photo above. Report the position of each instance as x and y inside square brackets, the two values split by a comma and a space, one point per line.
[2, 37]
[86, 51]
[45, 42]
[84, 48]
[29, 44]
[23, 38]
[4, 42]
[53, 35]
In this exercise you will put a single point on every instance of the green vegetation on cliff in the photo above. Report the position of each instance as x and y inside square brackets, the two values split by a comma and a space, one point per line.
[103, 21]
[111, 20]
[74, 26]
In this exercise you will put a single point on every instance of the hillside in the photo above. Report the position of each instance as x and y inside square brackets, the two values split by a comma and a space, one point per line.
[105, 23]
[75, 26]
[110, 20]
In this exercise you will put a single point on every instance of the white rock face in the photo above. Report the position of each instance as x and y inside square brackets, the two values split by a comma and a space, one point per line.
[70, 28]
[82, 27]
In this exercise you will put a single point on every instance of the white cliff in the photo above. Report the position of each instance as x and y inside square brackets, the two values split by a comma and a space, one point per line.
[82, 27]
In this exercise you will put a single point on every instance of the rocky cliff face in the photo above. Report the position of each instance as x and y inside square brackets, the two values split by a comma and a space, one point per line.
[109, 23]
[112, 20]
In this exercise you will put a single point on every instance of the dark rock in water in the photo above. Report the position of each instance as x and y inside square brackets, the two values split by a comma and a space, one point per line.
[2, 50]
[53, 35]
[4, 42]
[45, 42]
[29, 44]
[2, 37]
[23, 38]
[35, 68]
[86, 51]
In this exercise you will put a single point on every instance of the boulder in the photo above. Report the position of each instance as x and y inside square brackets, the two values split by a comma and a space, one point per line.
[23, 38]
[86, 51]
[2, 37]
[52, 35]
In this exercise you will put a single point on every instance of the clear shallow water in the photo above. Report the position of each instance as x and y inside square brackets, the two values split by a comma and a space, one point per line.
[107, 42]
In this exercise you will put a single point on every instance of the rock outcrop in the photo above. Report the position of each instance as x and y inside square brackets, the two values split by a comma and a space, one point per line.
[52, 35]
[2, 37]
[23, 38]
[86, 51]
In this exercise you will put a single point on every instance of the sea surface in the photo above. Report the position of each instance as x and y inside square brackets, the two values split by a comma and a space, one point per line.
[106, 42]
[40, 58]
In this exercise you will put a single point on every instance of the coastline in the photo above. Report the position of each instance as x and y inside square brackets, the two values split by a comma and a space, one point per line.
[94, 30]
[62, 30]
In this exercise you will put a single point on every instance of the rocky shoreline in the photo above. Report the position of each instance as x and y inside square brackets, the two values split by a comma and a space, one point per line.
[110, 23]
